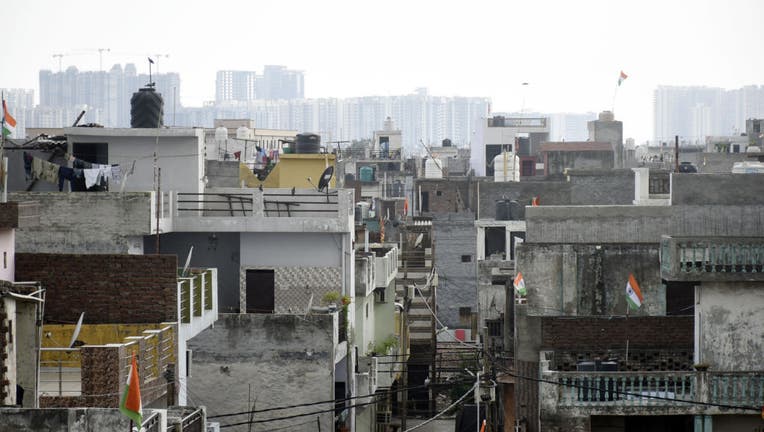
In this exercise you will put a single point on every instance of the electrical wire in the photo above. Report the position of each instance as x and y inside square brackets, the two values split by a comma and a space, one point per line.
[431, 419]
[318, 403]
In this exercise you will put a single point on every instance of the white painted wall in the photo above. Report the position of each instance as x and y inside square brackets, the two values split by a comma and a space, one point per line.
[291, 249]
[180, 155]
[7, 253]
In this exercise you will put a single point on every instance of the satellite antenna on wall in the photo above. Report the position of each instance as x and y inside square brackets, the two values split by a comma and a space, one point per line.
[326, 177]
[418, 241]
[188, 261]
[77, 329]
[310, 305]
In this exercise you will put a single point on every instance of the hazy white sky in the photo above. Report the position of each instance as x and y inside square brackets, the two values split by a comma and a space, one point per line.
[570, 52]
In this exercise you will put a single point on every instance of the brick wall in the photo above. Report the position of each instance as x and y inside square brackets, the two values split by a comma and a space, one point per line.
[594, 333]
[9, 215]
[108, 288]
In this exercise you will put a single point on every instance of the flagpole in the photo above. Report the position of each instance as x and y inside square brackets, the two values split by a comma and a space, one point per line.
[615, 93]
[131, 426]
[626, 331]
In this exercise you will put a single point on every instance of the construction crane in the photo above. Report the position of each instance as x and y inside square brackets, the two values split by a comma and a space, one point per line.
[100, 57]
[60, 56]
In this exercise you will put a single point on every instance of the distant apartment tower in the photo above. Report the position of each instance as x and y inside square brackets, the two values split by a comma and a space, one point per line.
[106, 92]
[278, 82]
[695, 112]
[233, 85]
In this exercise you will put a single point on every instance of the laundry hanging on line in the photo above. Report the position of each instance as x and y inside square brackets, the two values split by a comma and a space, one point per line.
[94, 174]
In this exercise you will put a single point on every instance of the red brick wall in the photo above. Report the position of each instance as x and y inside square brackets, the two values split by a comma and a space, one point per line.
[605, 333]
[108, 288]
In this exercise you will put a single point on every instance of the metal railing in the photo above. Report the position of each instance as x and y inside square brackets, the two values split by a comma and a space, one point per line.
[215, 204]
[60, 372]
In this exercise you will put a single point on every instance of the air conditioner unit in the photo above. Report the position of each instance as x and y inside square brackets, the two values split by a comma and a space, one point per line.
[213, 427]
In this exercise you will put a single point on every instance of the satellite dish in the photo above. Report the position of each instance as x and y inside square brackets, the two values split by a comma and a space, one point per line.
[77, 329]
[326, 176]
[310, 305]
[188, 261]
[419, 240]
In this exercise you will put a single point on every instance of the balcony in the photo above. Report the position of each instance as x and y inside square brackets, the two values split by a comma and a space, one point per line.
[197, 300]
[644, 393]
[386, 262]
[712, 259]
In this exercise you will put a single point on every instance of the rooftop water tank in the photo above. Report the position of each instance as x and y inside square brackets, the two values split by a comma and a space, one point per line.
[506, 167]
[243, 133]
[221, 134]
[446, 142]
[146, 108]
[366, 174]
[502, 210]
[307, 143]
[432, 168]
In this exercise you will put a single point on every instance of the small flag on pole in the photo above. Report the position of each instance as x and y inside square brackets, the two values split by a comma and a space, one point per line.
[130, 405]
[633, 293]
[9, 123]
[622, 78]
[519, 284]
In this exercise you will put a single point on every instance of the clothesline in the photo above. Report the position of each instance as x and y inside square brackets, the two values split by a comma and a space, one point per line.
[93, 174]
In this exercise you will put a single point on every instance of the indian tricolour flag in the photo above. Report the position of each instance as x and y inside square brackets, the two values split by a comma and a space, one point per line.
[519, 284]
[130, 405]
[622, 78]
[9, 123]
[633, 293]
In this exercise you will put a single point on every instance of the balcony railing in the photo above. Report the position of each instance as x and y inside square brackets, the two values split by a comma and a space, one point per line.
[255, 203]
[682, 392]
[721, 258]
[654, 389]
[60, 371]
[195, 294]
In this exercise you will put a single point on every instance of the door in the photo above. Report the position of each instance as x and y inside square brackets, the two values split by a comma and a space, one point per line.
[260, 291]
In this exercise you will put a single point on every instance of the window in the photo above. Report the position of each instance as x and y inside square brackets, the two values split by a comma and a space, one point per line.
[439, 193]
[466, 258]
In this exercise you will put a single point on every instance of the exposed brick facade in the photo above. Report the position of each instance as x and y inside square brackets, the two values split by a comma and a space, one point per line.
[110, 288]
[594, 333]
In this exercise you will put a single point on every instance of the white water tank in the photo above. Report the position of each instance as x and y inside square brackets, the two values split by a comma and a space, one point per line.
[506, 167]
[243, 132]
[221, 134]
[432, 168]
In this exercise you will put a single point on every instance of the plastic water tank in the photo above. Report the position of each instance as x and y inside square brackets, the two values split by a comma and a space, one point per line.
[432, 168]
[243, 132]
[502, 210]
[146, 109]
[366, 174]
[512, 171]
[221, 134]
[307, 143]
[516, 210]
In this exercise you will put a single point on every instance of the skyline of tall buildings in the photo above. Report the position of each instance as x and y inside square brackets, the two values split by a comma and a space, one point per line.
[276, 82]
[275, 100]
[695, 112]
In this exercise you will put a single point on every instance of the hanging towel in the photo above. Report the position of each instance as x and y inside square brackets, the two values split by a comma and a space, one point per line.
[116, 174]
[36, 168]
[91, 176]
[49, 172]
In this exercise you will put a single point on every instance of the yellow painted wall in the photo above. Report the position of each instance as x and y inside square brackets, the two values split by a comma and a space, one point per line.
[59, 335]
[292, 170]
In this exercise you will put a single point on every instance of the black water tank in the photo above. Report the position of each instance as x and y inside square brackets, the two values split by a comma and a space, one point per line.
[307, 143]
[146, 109]
[503, 210]
[446, 142]
[516, 210]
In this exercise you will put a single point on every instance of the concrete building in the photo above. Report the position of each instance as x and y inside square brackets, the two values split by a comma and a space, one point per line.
[520, 135]
[597, 371]
[607, 129]
[559, 157]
